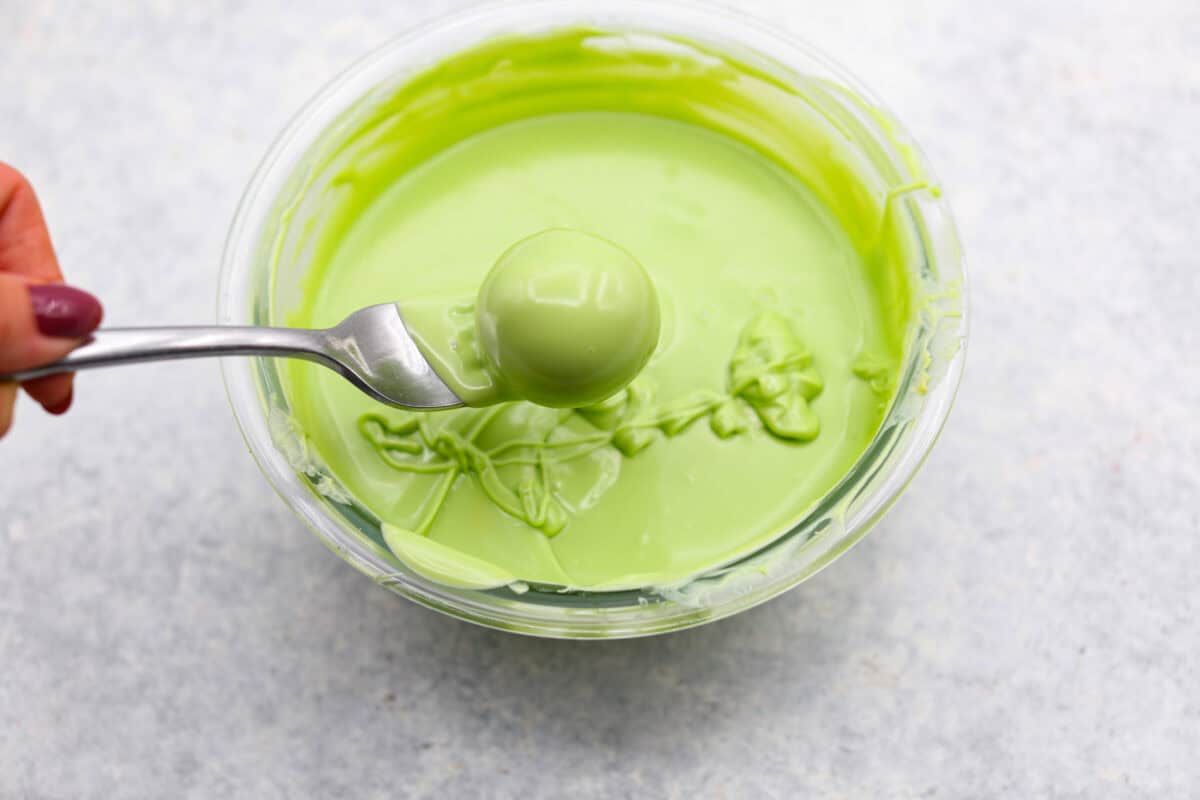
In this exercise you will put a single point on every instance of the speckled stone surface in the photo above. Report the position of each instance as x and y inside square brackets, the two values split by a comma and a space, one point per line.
[1023, 624]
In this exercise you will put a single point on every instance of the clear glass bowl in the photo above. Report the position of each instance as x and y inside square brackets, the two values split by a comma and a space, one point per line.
[250, 293]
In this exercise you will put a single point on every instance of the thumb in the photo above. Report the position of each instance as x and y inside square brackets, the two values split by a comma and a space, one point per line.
[40, 323]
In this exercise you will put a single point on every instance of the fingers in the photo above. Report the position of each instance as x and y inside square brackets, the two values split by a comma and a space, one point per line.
[25, 247]
[22, 344]
[65, 313]
[40, 320]
[54, 392]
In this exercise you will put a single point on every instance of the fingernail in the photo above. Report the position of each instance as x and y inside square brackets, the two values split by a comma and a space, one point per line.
[62, 407]
[64, 311]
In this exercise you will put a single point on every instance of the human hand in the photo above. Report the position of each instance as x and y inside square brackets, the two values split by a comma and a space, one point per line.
[41, 320]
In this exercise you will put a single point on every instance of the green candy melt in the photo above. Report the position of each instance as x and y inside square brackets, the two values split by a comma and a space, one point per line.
[761, 299]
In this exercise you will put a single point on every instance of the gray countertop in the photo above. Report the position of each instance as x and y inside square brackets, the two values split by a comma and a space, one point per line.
[1023, 623]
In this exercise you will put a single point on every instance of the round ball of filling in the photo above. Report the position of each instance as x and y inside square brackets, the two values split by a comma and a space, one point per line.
[566, 319]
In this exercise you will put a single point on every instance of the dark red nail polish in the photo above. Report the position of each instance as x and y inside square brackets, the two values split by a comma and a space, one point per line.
[62, 407]
[64, 311]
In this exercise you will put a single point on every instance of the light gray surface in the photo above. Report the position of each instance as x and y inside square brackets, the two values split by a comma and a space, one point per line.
[1024, 623]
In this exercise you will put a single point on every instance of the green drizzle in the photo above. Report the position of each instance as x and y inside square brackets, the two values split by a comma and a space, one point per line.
[771, 372]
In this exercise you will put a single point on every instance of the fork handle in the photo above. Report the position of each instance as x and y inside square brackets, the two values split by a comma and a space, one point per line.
[109, 347]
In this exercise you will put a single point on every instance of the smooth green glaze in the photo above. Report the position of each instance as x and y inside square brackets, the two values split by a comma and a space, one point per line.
[781, 283]
[564, 319]
[567, 319]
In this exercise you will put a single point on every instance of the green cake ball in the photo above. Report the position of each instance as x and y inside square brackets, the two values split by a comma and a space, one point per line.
[566, 319]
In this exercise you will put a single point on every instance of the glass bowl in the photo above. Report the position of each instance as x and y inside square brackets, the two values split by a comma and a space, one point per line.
[251, 292]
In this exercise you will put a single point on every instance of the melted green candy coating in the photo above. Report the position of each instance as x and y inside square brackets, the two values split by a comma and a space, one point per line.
[782, 298]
